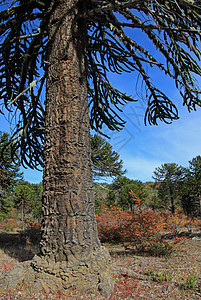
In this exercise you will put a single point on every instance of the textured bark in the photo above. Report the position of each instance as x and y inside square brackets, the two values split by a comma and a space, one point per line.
[172, 198]
[71, 254]
[69, 230]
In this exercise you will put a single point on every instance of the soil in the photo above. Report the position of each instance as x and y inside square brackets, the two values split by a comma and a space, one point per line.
[138, 276]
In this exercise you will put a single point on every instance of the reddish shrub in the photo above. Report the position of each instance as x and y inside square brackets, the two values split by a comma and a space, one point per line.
[142, 230]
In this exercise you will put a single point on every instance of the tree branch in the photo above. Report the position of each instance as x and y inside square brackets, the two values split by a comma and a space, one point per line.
[114, 7]
[31, 85]
[13, 22]
[152, 27]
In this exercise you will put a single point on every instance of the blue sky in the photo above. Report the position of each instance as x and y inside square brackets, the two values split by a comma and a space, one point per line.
[143, 148]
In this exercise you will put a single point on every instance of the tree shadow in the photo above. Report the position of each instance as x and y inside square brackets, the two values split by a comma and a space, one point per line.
[17, 246]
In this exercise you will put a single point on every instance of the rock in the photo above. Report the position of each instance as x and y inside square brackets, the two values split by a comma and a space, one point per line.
[171, 287]
[12, 279]
[106, 285]
[142, 264]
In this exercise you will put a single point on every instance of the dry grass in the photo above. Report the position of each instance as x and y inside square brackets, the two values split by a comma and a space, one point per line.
[178, 277]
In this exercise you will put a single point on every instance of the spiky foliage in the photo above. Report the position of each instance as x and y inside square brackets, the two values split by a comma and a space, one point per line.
[173, 28]
[106, 161]
[170, 177]
[9, 172]
[191, 188]
[9, 175]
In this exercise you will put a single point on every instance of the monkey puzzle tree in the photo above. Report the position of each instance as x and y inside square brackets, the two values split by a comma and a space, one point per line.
[191, 188]
[125, 198]
[105, 160]
[169, 176]
[70, 46]
[9, 175]
[23, 196]
[195, 174]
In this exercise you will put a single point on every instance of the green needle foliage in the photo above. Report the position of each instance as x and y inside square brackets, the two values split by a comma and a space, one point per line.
[105, 160]
[191, 188]
[170, 176]
[119, 192]
[9, 174]
[173, 27]
[28, 199]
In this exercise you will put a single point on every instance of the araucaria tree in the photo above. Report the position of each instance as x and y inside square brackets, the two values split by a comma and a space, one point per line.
[105, 160]
[70, 46]
[169, 176]
[191, 188]
[9, 175]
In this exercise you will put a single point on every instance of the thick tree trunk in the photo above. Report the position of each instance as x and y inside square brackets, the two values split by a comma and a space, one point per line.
[69, 227]
[69, 232]
[71, 254]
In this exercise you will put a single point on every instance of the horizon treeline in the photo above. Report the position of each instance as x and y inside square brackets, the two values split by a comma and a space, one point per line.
[174, 186]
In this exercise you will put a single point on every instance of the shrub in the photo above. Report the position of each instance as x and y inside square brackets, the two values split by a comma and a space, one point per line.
[11, 222]
[33, 232]
[191, 281]
[160, 248]
[197, 222]
[159, 276]
[110, 222]
[142, 231]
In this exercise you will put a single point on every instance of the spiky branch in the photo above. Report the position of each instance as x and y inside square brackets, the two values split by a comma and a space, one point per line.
[173, 27]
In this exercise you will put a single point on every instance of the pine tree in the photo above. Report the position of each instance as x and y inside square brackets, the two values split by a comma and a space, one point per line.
[169, 175]
[69, 47]
[105, 160]
[119, 192]
[36, 202]
[9, 174]
[191, 188]
[23, 196]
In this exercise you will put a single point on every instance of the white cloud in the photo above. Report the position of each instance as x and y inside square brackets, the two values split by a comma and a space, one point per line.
[140, 168]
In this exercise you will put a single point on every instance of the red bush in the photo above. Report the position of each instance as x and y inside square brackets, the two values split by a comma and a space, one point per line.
[142, 230]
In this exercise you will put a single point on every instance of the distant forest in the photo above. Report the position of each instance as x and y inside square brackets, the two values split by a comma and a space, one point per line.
[173, 187]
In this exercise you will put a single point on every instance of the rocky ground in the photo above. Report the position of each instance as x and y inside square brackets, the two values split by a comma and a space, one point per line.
[138, 276]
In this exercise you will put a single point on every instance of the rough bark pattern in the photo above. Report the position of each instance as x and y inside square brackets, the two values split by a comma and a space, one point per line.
[172, 198]
[42, 276]
[71, 254]
[69, 230]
